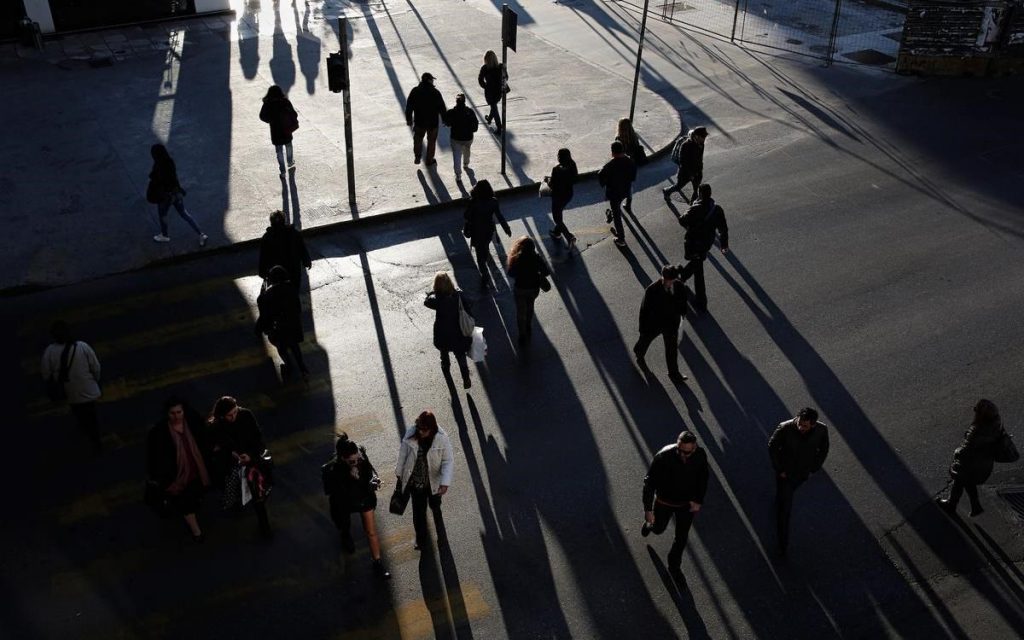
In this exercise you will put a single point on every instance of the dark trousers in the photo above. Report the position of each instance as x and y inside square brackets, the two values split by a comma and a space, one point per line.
[615, 204]
[495, 115]
[88, 424]
[178, 203]
[483, 256]
[695, 268]
[784, 490]
[557, 207]
[460, 358]
[684, 520]
[260, 507]
[671, 337]
[421, 499]
[291, 355]
[682, 179]
[525, 299]
[958, 489]
[417, 142]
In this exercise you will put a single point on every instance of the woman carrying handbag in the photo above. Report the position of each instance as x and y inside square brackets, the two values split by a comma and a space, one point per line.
[238, 453]
[449, 334]
[424, 470]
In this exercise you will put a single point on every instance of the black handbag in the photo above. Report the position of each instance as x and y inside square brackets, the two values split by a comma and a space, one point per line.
[399, 500]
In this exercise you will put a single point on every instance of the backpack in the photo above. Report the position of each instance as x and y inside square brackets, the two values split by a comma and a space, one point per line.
[677, 150]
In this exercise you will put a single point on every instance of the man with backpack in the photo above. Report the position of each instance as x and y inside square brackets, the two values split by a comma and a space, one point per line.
[688, 154]
[702, 220]
[463, 123]
[423, 110]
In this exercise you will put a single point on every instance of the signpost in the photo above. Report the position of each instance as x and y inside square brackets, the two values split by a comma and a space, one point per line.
[337, 81]
[509, 23]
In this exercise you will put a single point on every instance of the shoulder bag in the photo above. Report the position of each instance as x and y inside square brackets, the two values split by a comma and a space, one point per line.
[466, 321]
[399, 500]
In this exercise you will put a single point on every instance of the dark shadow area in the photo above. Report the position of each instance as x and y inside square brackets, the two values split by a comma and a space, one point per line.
[282, 64]
[307, 48]
[677, 588]
[249, 47]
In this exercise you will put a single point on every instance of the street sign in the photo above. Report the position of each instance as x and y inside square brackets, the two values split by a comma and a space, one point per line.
[509, 22]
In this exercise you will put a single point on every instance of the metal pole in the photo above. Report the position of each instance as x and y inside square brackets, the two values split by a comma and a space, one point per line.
[347, 103]
[639, 55]
[735, 18]
[504, 118]
[832, 36]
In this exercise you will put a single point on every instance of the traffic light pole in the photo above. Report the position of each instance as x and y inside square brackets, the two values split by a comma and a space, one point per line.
[504, 120]
[347, 105]
[639, 55]
[509, 26]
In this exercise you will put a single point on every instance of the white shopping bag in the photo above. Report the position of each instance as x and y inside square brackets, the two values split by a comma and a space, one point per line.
[478, 350]
[246, 491]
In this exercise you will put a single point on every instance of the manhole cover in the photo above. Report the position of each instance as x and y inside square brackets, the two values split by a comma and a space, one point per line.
[869, 56]
[1015, 499]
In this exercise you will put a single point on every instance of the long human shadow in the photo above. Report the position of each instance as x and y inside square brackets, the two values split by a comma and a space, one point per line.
[282, 64]
[307, 48]
[886, 468]
[249, 48]
[678, 589]
[290, 199]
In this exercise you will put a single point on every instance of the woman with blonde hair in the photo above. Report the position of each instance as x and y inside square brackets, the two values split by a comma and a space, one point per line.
[530, 273]
[493, 78]
[625, 134]
[446, 300]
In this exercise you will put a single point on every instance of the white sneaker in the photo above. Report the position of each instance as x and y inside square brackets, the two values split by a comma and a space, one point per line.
[161, 238]
[202, 239]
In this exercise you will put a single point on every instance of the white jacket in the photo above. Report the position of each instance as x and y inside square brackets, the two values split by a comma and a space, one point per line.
[83, 383]
[440, 459]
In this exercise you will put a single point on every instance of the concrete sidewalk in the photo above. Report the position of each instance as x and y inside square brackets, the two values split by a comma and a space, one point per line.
[88, 108]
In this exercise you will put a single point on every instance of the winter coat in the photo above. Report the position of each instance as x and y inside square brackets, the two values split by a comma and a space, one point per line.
[528, 270]
[241, 436]
[701, 227]
[345, 493]
[561, 182]
[162, 455]
[662, 310]
[691, 159]
[424, 106]
[277, 112]
[617, 177]
[163, 178]
[463, 122]
[675, 482]
[480, 215]
[283, 245]
[280, 314]
[492, 79]
[447, 330]
[83, 384]
[974, 458]
[796, 454]
[440, 459]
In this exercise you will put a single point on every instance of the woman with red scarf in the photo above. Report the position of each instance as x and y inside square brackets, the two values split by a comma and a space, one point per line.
[175, 462]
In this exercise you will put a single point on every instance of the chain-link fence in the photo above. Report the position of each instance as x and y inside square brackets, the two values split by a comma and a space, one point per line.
[852, 31]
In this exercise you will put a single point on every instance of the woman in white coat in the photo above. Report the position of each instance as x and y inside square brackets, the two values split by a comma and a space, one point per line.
[425, 464]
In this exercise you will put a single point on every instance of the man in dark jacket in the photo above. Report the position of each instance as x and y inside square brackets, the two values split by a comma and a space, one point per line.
[798, 448]
[282, 244]
[675, 485]
[663, 307]
[702, 220]
[688, 153]
[463, 123]
[617, 178]
[423, 110]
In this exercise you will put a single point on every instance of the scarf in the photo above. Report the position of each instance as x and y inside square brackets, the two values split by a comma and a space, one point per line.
[190, 461]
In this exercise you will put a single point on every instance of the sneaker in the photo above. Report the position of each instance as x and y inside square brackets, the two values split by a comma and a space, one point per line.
[645, 529]
[619, 242]
[555, 235]
[665, 193]
[628, 208]
[487, 119]
[572, 243]
[430, 162]
[381, 571]
[202, 239]
[416, 160]
[467, 383]
[161, 238]
[677, 377]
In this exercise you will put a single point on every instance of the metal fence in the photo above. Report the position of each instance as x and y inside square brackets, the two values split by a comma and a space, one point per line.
[849, 31]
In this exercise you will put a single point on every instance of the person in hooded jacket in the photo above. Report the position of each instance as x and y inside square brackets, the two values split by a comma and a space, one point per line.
[282, 244]
[974, 459]
[278, 112]
[702, 221]
[480, 224]
[165, 191]
[351, 483]
[424, 109]
[463, 123]
[281, 320]
[234, 439]
[445, 299]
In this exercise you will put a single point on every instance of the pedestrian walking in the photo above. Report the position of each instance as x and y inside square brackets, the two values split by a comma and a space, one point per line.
[238, 454]
[165, 191]
[175, 462]
[702, 220]
[494, 80]
[281, 320]
[530, 273]
[282, 244]
[617, 176]
[425, 467]
[423, 111]
[661, 312]
[481, 217]
[351, 483]
[278, 112]
[625, 134]
[449, 338]
[974, 459]
[797, 448]
[71, 373]
[463, 122]
[688, 154]
[563, 177]
[675, 485]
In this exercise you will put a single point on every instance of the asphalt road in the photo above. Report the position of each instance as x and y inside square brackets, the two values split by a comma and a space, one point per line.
[875, 275]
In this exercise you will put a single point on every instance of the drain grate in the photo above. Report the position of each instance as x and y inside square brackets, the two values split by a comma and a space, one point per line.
[1015, 499]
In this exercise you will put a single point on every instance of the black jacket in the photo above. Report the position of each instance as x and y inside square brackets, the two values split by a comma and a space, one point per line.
[675, 482]
[345, 493]
[161, 454]
[492, 79]
[974, 458]
[463, 122]
[617, 176]
[164, 178]
[528, 270]
[241, 436]
[424, 106]
[283, 245]
[662, 310]
[562, 181]
[691, 159]
[480, 216]
[447, 330]
[798, 454]
[274, 112]
[701, 224]
[280, 314]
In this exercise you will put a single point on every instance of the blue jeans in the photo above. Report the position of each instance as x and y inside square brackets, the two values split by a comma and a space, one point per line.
[179, 204]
